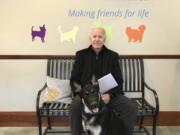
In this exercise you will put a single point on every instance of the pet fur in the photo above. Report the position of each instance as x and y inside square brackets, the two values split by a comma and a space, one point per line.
[94, 112]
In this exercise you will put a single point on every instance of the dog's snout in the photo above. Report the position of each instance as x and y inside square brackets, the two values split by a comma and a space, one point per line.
[93, 104]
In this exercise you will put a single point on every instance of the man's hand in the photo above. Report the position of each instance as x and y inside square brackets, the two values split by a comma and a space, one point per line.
[77, 87]
[106, 98]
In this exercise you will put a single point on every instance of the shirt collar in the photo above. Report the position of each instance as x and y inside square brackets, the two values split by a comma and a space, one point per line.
[102, 50]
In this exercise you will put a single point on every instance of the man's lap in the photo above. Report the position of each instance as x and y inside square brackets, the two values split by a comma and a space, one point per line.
[122, 104]
[119, 103]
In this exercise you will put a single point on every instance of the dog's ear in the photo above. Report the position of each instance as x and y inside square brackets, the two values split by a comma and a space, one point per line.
[96, 87]
[94, 80]
[43, 26]
[78, 89]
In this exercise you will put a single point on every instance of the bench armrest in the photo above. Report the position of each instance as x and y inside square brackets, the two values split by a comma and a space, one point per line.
[39, 95]
[155, 96]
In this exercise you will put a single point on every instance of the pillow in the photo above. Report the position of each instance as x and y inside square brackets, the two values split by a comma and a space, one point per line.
[57, 90]
[51, 94]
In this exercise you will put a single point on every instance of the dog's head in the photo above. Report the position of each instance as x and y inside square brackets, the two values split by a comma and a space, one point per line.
[91, 98]
[43, 29]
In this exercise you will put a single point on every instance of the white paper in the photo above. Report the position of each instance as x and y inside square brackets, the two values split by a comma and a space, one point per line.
[106, 83]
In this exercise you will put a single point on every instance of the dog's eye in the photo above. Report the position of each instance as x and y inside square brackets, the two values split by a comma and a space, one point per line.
[92, 90]
[86, 92]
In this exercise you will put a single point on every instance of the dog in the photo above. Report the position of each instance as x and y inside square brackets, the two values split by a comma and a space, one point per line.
[94, 113]
[68, 36]
[135, 34]
[41, 33]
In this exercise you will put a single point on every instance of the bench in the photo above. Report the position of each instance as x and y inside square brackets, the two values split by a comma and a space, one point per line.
[134, 87]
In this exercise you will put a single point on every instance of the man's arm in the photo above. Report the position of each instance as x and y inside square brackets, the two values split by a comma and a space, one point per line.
[116, 72]
[76, 74]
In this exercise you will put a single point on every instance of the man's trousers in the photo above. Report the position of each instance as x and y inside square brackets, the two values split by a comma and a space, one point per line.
[122, 111]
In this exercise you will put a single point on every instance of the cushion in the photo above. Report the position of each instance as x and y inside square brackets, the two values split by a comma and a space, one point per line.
[57, 90]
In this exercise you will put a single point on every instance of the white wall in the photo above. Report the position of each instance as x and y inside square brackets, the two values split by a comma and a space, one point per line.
[18, 17]
[19, 82]
[21, 79]
[164, 76]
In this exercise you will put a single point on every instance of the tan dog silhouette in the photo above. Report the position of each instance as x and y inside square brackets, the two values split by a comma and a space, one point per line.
[135, 34]
[70, 35]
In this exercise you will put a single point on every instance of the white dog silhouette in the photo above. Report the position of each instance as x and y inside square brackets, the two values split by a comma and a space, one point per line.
[68, 36]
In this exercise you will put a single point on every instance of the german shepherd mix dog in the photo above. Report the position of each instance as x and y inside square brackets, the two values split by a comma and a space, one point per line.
[95, 113]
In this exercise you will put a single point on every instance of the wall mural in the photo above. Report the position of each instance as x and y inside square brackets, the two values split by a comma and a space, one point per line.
[68, 35]
[108, 28]
[40, 33]
[63, 27]
[135, 35]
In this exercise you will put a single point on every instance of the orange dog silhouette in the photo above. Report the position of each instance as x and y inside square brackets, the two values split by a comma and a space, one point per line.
[135, 34]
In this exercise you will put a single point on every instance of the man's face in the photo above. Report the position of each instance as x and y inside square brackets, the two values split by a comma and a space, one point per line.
[97, 38]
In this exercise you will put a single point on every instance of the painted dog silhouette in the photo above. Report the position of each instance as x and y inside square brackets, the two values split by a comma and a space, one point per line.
[41, 33]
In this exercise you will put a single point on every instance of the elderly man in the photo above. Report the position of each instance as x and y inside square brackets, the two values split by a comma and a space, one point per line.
[98, 60]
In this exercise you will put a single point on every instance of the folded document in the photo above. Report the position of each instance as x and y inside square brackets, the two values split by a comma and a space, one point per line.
[106, 83]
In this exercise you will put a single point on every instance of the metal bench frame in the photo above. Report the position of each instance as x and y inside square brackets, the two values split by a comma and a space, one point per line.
[134, 82]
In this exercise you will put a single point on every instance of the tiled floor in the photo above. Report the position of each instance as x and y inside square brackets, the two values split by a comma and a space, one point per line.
[34, 131]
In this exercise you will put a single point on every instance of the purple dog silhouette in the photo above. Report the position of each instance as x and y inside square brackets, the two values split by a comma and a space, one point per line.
[40, 33]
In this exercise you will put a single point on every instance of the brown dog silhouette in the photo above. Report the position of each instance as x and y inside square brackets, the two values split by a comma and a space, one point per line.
[135, 34]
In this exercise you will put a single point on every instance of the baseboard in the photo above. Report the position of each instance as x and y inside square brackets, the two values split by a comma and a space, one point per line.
[29, 119]
[26, 119]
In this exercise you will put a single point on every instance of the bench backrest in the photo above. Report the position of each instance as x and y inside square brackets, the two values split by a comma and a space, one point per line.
[60, 68]
[132, 72]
